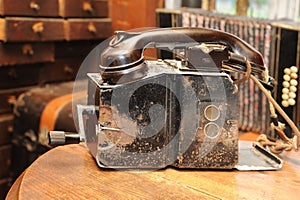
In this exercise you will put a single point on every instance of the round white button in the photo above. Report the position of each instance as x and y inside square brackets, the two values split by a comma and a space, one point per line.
[292, 95]
[292, 89]
[286, 77]
[294, 69]
[286, 84]
[294, 75]
[292, 102]
[285, 90]
[285, 96]
[287, 71]
[285, 103]
[293, 82]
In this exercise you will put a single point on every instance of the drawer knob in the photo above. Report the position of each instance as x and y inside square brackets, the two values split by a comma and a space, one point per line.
[38, 27]
[34, 6]
[11, 100]
[87, 7]
[27, 50]
[68, 69]
[92, 28]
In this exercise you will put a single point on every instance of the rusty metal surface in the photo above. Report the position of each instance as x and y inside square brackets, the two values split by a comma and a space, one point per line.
[181, 139]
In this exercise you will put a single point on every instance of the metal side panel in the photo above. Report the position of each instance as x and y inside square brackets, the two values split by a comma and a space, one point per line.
[254, 157]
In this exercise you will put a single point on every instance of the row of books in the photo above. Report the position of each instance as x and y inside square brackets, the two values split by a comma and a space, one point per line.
[253, 105]
[279, 43]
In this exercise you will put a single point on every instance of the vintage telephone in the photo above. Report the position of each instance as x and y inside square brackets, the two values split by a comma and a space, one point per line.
[180, 111]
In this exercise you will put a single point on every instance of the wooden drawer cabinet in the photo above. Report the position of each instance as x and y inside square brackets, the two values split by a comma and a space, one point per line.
[15, 29]
[41, 42]
[92, 28]
[29, 8]
[83, 8]
[26, 53]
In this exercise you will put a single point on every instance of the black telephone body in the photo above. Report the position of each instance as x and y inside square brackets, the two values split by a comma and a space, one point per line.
[180, 111]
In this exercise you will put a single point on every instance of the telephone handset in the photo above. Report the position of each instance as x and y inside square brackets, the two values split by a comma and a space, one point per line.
[124, 55]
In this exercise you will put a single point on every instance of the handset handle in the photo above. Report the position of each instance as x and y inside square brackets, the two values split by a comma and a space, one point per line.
[125, 52]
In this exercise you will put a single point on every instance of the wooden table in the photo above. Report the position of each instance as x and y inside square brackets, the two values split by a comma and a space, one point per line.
[69, 172]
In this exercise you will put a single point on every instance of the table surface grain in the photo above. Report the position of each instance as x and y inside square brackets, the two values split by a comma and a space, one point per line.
[70, 172]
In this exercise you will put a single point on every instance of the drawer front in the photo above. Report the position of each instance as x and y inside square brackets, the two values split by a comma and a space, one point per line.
[19, 76]
[5, 160]
[6, 128]
[29, 8]
[80, 29]
[64, 69]
[17, 29]
[8, 98]
[4, 187]
[74, 48]
[26, 53]
[83, 8]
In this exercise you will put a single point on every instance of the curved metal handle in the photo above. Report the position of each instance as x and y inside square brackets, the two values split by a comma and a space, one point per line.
[92, 28]
[27, 50]
[87, 7]
[38, 27]
[34, 6]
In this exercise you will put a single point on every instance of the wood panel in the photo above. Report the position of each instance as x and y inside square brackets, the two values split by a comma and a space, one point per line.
[73, 49]
[6, 128]
[4, 187]
[18, 29]
[83, 8]
[70, 172]
[19, 76]
[29, 8]
[5, 160]
[92, 28]
[64, 69]
[26, 53]
[132, 14]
